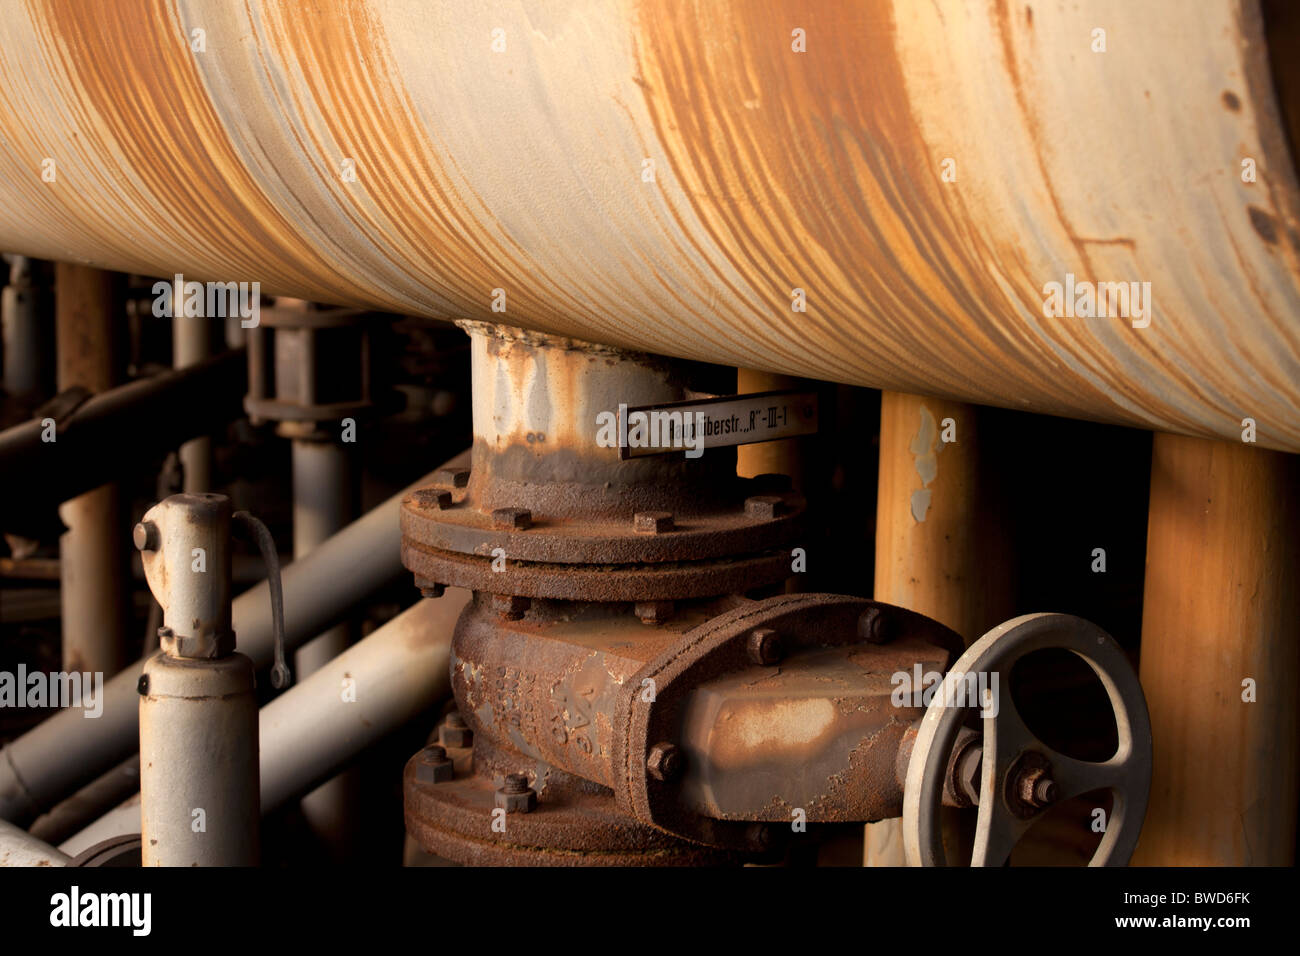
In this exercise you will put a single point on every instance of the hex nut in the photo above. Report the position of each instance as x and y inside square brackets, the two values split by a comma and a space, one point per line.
[433, 766]
[765, 507]
[435, 498]
[652, 522]
[966, 775]
[875, 627]
[452, 477]
[454, 732]
[764, 646]
[516, 796]
[665, 762]
[1035, 787]
[512, 519]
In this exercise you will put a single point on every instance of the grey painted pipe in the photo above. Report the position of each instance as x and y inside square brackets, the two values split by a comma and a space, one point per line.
[63, 752]
[20, 848]
[313, 729]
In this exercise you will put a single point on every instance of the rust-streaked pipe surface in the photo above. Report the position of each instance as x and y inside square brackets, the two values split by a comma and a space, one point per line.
[773, 170]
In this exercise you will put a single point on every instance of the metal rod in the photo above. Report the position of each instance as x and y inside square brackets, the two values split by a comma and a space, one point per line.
[63, 752]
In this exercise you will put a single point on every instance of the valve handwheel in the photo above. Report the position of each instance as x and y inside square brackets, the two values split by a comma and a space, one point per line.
[1021, 777]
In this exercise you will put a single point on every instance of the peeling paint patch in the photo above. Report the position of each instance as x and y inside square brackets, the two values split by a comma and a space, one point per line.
[925, 447]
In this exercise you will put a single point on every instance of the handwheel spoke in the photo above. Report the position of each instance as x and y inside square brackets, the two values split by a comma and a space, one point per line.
[996, 838]
[1074, 777]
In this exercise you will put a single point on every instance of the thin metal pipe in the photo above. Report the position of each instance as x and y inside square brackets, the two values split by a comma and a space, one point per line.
[322, 504]
[20, 848]
[191, 344]
[93, 551]
[89, 803]
[113, 430]
[64, 751]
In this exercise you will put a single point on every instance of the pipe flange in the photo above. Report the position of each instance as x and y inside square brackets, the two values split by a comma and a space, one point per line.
[765, 515]
[571, 824]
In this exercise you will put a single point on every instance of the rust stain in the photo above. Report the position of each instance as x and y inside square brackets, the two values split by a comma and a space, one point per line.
[777, 170]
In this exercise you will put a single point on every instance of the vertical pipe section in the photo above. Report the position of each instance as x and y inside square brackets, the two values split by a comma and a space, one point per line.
[937, 550]
[1221, 654]
[322, 506]
[28, 371]
[781, 457]
[191, 340]
[92, 551]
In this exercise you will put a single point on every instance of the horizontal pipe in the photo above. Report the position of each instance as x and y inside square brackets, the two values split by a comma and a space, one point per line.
[310, 732]
[65, 750]
[719, 181]
[89, 803]
[111, 431]
[20, 848]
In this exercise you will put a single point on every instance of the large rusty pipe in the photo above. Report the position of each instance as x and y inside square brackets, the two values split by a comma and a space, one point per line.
[875, 192]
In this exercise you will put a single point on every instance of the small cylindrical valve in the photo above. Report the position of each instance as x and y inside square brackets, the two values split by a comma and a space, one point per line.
[199, 785]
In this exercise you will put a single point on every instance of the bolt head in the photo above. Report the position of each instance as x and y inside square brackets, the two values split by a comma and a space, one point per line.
[512, 519]
[652, 522]
[874, 626]
[516, 796]
[764, 646]
[145, 536]
[435, 498]
[454, 732]
[433, 766]
[433, 590]
[452, 477]
[665, 762]
[765, 507]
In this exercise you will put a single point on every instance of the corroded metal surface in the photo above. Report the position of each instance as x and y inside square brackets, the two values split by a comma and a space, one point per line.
[523, 169]
[845, 772]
